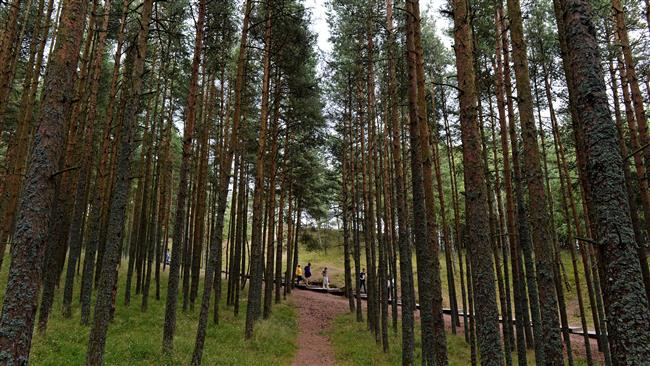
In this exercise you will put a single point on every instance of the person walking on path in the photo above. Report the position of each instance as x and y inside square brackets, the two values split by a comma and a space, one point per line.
[326, 280]
[307, 273]
[362, 280]
[298, 275]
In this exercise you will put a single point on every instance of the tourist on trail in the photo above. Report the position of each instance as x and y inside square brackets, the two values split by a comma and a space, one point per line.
[362, 280]
[298, 275]
[326, 280]
[307, 273]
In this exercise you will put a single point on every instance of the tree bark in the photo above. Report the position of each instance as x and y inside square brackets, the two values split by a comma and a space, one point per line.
[119, 198]
[21, 295]
[179, 226]
[489, 338]
[551, 348]
[626, 305]
[256, 257]
[216, 241]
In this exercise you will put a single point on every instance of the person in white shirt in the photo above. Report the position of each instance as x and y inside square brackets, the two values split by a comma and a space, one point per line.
[326, 280]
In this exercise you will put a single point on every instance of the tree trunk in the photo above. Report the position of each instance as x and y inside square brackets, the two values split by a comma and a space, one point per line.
[179, 227]
[9, 49]
[270, 251]
[21, 295]
[406, 270]
[626, 305]
[489, 338]
[224, 181]
[119, 199]
[256, 257]
[549, 348]
[75, 235]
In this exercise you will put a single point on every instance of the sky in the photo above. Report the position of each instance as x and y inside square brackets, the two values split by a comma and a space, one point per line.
[319, 20]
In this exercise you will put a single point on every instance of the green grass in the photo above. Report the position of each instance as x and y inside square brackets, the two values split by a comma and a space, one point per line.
[353, 344]
[135, 338]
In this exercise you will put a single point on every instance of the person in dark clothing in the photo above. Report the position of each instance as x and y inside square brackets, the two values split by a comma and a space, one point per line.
[307, 273]
[362, 280]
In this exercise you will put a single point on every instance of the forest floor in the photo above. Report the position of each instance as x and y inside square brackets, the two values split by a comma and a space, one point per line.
[135, 337]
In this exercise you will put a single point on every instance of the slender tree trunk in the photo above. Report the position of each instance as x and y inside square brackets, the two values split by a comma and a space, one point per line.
[451, 284]
[9, 49]
[550, 350]
[528, 286]
[280, 235]
[75, 235]
[288, 284]
[188, 132]
[510, 205]
[406, 271]
[426, 243]
[475, 192]
[102, 183]
[566, 197]
[216, 242]
[355, 210]
[270, 251]
[557, 274]
[346, 203]
[108, 277]
[154, 227]
[256, 257]
[199, 226]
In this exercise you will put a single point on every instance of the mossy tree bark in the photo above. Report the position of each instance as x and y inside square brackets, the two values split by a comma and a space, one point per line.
[626, 305]
[489, 338]
[25, 271]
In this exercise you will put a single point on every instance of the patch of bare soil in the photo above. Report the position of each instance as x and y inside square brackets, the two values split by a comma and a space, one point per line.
[316, 311]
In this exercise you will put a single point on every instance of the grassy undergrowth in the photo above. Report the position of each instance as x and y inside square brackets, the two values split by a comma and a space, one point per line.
[135, 338]
[354, 345]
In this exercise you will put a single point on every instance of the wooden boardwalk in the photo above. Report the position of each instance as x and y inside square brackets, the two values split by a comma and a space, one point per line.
[340, 292]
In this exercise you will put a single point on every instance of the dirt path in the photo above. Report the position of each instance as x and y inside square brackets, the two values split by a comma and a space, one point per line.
[316, 311]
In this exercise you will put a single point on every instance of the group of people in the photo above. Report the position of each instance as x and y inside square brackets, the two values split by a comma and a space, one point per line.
[326, 280]
[307, 276]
